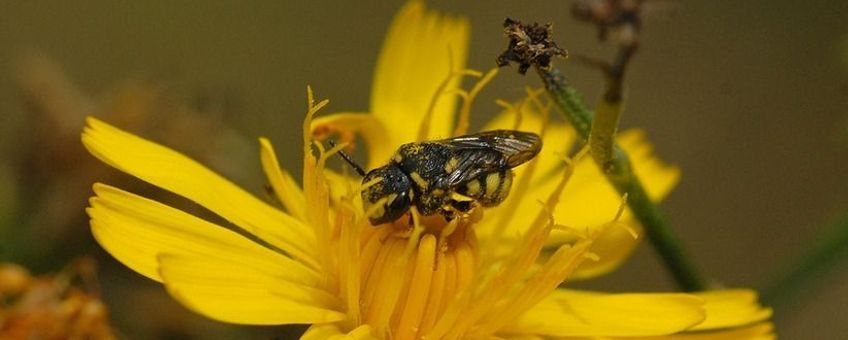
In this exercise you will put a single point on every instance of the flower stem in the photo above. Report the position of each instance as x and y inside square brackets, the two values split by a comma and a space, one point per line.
[794, 279]
[599, 130]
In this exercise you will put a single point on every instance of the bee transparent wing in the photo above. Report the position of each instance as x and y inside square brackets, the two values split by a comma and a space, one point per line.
[516, 147]
[474, 162]
[490, 151]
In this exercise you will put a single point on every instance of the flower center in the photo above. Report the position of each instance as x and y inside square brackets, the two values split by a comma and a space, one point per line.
[410, 276]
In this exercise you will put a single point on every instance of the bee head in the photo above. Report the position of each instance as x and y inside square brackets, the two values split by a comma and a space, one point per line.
[390, 197]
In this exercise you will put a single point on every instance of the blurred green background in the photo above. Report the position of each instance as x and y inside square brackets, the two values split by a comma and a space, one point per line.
[749, 98]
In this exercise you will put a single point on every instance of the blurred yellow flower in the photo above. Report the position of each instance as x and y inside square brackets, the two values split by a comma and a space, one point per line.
[321, 263]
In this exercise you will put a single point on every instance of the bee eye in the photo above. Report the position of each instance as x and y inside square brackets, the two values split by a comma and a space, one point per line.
[386, 200]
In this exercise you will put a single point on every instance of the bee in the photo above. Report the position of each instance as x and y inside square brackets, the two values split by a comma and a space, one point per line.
[447, 176]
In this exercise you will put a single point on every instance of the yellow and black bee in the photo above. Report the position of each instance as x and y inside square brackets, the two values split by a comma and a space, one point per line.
[446, 176]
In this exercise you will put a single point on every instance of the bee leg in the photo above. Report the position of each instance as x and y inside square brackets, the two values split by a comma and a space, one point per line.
[449, 215]
[408, 230]
[400, 230]
[448, 230]
[413, 228]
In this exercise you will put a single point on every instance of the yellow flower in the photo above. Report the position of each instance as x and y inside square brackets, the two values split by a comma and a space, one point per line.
[320, 262]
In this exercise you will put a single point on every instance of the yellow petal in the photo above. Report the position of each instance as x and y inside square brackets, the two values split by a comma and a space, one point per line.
[286, 189]
[368, 126]
[576, 313]
[230, 290]
[731, 308]
[760, 331]
[557, 141]
[657, 177]
[332, 331]
[420, 51]
[526, 193]
[181, 175]
[588, 200]
[520, 337]
[342, 186]
[135, 230]
[612, 249]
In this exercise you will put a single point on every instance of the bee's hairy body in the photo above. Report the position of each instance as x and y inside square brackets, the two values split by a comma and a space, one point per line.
[448, 176]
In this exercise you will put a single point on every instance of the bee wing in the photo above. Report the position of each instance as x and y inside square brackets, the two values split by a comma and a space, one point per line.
[490, 151]
[474, 162]
[516, 147]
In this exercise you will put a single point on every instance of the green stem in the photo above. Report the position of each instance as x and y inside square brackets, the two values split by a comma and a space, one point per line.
[599, 131]
[794, 279]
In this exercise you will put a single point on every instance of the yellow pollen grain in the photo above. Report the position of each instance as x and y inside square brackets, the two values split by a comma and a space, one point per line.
[493, 181]
[419, 290]
[397, 158]
[473, 188]
[415, 149]
[416, 177]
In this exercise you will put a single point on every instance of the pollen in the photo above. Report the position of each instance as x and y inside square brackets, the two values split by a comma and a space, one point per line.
[415, 149]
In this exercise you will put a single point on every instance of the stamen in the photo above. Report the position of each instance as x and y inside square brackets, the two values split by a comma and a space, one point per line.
[558, 267]
[350, 274]
[522, 186]
[465, 111]
[437, 292]
[317, 194]
[621, 207]
[378, 287]
[419, 290]
[458, 286]
[424, 129]
[371, 250]
[514, 270]
[630, 230]
[311, 110]
[592, 256]
[535, 96]
[514, 109]
[346, 157]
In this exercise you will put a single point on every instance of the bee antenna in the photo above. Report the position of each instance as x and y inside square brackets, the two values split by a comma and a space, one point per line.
[349, 160]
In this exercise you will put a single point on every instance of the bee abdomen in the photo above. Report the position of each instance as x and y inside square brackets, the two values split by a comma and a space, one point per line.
[488, 189]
